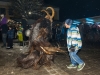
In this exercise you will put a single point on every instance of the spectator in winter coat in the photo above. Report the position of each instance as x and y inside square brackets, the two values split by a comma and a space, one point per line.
[4, 29]
[74, 44]
[10, 35]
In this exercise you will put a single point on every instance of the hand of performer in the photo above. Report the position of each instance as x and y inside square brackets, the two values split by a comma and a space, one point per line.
[72, 48]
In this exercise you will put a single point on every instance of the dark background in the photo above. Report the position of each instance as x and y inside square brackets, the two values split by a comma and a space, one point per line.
[76, 9]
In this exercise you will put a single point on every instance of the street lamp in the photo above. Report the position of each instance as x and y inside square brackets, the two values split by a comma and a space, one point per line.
[29, 13]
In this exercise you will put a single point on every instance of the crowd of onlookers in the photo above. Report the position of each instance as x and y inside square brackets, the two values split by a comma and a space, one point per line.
[10, 30]
[89, 32]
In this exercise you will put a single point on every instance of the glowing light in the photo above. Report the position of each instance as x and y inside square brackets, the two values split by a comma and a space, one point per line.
[88, 19]
[29, 12]
[76, 22]
[89, 22]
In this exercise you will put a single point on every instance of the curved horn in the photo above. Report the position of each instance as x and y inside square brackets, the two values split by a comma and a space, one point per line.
[53, 12]
[45, 12]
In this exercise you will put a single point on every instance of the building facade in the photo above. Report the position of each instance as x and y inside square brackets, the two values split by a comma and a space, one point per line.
[5, 8]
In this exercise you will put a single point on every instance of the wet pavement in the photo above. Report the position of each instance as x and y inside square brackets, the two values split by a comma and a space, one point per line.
[89, 53]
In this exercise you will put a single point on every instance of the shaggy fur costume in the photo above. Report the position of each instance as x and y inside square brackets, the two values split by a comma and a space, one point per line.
[41, 52]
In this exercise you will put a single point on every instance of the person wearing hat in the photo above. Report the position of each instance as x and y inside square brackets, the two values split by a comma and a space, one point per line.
[74, 44]
[24, 25]
[19, 33]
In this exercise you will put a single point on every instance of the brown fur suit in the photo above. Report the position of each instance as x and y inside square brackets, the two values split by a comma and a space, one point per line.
[41, 52]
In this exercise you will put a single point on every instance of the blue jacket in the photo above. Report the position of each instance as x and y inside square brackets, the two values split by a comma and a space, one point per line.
[74, 38]
[10, 33]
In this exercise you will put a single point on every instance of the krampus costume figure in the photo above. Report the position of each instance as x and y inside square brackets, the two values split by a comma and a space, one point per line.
[41, 52]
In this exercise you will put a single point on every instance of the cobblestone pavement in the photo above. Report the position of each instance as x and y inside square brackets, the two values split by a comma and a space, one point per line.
[8, 65]
[90, 54]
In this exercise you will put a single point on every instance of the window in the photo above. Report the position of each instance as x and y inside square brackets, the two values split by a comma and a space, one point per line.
[10, 11]
[2, 11]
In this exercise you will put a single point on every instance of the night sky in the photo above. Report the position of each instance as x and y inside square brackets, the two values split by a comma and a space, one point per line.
[76, 9]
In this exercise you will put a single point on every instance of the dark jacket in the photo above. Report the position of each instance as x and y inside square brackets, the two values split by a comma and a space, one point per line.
[4, 28]
[10, 33]
[24, 23]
